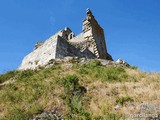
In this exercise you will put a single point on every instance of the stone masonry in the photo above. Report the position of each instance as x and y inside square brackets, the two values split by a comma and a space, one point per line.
[89, 44]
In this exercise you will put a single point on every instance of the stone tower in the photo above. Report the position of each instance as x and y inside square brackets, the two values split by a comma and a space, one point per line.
[94, 35]
[90, 43]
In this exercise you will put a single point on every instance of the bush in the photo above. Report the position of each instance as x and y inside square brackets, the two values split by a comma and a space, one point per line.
[70, 82]
[72, 99]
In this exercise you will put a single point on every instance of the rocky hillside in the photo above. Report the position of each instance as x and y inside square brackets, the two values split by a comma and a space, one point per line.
[80, 90]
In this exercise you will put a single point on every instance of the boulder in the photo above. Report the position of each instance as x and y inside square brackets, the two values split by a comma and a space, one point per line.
[119, 61]
[48, 115]
[68, 59]
[105, 62]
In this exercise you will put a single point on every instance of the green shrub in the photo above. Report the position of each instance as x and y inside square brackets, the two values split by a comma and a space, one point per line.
[70, 82]
[72, 98]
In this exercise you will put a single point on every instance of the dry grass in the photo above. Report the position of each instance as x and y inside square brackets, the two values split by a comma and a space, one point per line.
[144, 89]
[107, 98]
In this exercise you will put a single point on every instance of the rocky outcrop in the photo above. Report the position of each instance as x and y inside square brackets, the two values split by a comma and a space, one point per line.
[48, 115]
[69, 60]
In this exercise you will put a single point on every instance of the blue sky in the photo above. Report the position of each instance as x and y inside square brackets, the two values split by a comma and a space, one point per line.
[132, 28]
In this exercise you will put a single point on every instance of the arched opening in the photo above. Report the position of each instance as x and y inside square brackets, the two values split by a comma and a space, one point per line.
[71, 36]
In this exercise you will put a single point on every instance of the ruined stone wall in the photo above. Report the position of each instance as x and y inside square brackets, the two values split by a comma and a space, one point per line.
[41, 55]
[78, 38]
[38, 44]
[66, 34]
[55, 47]
[89, 44]
[64, 49]
[79, 42]
[44, 51]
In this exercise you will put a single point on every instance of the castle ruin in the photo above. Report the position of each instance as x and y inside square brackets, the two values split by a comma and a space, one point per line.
[90, 43]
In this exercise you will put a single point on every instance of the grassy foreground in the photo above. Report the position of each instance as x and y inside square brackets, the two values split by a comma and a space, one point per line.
[79, 92]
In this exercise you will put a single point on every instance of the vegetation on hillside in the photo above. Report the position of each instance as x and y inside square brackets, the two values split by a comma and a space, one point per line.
[78, 91]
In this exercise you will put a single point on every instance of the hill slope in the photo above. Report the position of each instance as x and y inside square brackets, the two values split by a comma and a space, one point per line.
[77, 91]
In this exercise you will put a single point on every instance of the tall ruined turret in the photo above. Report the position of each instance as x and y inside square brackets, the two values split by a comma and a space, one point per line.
[93, 33]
